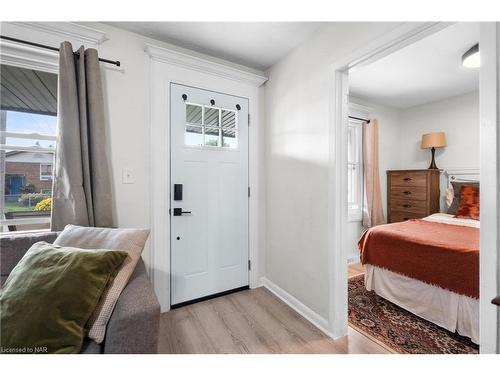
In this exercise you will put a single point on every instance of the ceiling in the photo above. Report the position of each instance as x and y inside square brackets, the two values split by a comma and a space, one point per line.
[423, 72]
[26, 90]
[257, 45]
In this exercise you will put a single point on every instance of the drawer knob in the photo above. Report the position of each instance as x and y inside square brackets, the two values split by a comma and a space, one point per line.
[407, 205]
[407, 178]
[407, 192]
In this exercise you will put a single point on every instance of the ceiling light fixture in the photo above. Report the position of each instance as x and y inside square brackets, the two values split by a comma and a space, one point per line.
[471, 58]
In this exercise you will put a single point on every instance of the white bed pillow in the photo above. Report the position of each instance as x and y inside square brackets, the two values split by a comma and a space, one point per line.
[130, 240]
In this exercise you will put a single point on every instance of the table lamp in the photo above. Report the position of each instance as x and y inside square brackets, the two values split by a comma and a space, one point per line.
[433, 141]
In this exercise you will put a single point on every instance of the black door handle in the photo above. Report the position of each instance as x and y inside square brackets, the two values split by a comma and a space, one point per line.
[179, 212]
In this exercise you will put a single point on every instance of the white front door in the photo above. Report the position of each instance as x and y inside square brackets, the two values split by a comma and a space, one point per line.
[209, 196]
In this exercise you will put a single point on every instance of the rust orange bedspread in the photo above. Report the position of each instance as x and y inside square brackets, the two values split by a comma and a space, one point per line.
[436, 253]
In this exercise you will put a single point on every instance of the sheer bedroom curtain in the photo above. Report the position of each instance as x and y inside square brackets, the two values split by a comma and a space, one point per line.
[373, 213]
[82, 185]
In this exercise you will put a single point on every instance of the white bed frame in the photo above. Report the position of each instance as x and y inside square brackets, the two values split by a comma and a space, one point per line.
[469, 175]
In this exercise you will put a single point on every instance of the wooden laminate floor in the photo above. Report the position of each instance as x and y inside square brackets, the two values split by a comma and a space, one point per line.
[251, 321]
[355, 269]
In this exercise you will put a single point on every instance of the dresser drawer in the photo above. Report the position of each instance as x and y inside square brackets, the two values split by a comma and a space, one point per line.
[408, 205]
[408, 192]
[397, 216]
[408, 179]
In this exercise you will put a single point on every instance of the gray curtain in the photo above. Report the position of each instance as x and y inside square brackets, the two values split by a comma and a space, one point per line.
[82, 185]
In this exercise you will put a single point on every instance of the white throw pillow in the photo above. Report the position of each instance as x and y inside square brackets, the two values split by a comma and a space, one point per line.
[130, 240]
[449, 196]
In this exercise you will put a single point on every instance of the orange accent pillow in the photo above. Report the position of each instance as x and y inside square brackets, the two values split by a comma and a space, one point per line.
[469, 202]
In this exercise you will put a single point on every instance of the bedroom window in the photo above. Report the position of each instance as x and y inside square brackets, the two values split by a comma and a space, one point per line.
[355, 169]
[28, 117]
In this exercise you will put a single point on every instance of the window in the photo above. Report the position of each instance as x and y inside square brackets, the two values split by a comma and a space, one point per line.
[355, 169]
[28, 109]
[208, 126]
[45, 172]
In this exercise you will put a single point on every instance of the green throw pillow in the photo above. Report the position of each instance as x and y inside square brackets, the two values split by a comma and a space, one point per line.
[51, 294]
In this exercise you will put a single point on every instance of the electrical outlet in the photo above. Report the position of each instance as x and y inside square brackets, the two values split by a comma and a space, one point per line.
[128, 176]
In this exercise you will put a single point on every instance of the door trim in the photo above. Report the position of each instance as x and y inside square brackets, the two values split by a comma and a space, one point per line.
[162, 73]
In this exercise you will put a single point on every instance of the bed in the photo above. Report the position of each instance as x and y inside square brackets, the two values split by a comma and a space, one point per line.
[429, 267]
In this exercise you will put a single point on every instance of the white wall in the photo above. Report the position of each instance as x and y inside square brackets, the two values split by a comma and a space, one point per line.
[297, 155]
[457, 116]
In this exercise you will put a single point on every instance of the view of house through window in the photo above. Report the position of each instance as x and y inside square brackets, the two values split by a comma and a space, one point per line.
[27, 144]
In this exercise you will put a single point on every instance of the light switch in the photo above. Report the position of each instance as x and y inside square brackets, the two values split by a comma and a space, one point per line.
[128, 176]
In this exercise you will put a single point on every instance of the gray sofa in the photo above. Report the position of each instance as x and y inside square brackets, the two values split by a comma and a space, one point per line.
[134, 324]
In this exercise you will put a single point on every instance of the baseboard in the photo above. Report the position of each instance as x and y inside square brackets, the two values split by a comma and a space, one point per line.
[317, 320]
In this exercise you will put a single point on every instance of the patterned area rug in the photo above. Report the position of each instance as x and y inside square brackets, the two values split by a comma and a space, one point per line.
[398, 329]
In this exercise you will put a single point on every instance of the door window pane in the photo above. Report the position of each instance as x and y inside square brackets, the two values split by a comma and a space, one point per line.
[194, 114]
[212, 137]
[194, 135]
[228, 119]
[211, 116]
[229, 138]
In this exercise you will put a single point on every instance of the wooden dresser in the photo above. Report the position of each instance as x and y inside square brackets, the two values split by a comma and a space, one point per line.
[412, 194]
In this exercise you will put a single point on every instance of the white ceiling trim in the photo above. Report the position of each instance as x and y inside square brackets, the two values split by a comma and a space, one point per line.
[173, 57]
[67, 30]
[49, 33]
[28, 57]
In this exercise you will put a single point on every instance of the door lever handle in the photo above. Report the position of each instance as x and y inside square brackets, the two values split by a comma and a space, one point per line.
[179, 212]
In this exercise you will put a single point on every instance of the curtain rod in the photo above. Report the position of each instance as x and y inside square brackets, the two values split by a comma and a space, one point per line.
[360, 119]
[117, 63]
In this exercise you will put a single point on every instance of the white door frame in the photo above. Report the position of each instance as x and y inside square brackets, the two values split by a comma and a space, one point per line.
[337, 196]
[489, 116]
[172, 66]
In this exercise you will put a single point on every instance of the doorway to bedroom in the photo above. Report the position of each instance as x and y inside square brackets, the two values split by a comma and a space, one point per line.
[413, 172]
